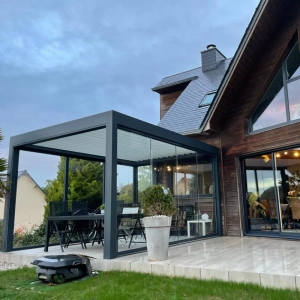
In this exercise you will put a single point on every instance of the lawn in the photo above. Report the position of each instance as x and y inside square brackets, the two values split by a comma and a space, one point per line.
[22, 284]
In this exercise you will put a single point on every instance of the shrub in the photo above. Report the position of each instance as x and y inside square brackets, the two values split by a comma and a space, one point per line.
[158, 200]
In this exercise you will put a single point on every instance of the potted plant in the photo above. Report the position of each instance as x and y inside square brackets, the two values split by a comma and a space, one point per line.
[257, 211]
[102, 207]
[158, 207]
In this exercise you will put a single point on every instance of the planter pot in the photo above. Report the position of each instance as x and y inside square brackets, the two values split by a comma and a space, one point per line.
[157, 234]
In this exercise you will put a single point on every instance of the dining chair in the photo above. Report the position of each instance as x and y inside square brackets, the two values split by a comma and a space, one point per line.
[60, 228]
[80, 229]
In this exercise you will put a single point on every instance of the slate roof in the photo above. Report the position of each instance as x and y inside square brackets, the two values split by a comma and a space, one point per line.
[185, 116]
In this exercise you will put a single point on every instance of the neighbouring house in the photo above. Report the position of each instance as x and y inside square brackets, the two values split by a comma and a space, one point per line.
[248, 107]
[30, 202]
[227, 144]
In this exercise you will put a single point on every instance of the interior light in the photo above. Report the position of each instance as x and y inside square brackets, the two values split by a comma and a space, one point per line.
[278, 155]
[155, 169]
[285, 152]
[296, 154]
[266, 158]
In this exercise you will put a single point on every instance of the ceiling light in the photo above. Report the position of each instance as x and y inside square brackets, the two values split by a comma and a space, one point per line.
[266, 158]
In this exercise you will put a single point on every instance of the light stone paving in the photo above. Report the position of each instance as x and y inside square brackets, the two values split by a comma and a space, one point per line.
[268, 262]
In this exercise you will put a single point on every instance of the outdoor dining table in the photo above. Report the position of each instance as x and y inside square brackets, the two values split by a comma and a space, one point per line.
[91, 217]
[52, 219]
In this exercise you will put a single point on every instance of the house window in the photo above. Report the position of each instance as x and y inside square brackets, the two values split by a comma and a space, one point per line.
[280, 104]
[208, 98]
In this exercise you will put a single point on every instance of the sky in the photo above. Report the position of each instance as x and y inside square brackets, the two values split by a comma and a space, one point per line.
[64, 60]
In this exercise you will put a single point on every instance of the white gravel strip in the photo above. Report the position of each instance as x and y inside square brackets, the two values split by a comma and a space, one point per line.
[9, 266]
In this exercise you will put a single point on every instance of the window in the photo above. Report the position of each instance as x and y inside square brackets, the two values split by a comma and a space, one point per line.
[281, 103]
[208, 98]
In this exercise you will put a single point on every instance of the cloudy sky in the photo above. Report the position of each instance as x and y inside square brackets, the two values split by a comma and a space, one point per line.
[63, 60]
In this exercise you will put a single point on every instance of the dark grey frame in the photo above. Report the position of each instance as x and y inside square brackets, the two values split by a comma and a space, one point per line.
[112, 120]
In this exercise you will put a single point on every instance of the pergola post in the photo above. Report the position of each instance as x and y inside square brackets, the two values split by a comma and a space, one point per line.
[110, 218]
[10, 200]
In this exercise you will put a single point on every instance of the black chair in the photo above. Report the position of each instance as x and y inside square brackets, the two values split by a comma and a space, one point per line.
[80, 229]
[60, 228]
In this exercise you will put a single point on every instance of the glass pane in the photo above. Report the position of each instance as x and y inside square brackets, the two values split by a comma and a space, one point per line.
[125, 186]
[288, 184]
[36, 171]
[259, 188]
[294, 99]
[293, 63]
[85, 182]
[186, 180]
[208, 99]
[271, 110]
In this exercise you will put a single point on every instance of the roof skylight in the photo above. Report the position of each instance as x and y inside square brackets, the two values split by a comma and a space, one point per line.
[208, 98]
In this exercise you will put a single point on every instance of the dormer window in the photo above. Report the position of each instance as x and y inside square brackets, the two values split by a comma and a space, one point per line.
[208, 98]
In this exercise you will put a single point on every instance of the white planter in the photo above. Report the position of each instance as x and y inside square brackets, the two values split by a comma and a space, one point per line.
[157, 235]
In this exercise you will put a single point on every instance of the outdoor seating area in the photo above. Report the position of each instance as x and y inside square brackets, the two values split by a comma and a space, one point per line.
[151, 155]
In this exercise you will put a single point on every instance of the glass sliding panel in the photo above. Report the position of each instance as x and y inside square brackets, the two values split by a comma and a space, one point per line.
[85, 182]
[293, 63]
[125, 187]
[163, 161]
[271, 110]
[205, 206]
[133, 149]
[186, 181]
[144, 179]
[38, 183]
[294, 99]
[288, 178]
[260, 193]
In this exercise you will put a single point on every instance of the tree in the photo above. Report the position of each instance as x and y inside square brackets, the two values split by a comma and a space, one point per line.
[3, 167]
[85, 183]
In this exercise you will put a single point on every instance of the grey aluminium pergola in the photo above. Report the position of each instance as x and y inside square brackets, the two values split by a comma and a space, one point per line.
[108, 137]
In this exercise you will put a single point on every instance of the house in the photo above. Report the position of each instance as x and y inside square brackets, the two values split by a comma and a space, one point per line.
[30, 202]
[248, 107]
[227, 145]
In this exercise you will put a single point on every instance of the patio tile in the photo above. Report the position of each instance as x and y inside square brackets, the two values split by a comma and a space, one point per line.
[278, 281]
[188, 272]
[214, 274]
[249, 277]
[269, 262]
[142, 267]
[162, 269]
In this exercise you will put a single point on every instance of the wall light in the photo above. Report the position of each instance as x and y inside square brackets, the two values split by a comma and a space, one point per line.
[296, 154]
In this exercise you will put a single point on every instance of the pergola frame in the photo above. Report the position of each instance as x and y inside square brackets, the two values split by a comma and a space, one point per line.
[112, 121]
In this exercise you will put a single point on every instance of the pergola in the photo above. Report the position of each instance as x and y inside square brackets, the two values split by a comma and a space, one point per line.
[112, 138]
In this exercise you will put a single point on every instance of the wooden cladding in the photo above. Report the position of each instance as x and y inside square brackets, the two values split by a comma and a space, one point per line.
[255, 71]
[167, 100]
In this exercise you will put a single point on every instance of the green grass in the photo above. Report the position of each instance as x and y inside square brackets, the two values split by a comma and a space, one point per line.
[18, 284]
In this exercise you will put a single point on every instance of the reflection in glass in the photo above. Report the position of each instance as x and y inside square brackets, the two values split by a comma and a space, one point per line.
[294, 100]
[259, 188]
[293, 63]
[29, 229]
[271, 110]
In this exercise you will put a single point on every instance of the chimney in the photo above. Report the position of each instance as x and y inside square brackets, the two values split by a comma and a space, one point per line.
[211, 58]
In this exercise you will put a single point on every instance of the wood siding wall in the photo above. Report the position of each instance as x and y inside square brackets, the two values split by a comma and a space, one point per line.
[167, 100]
[239, 101]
